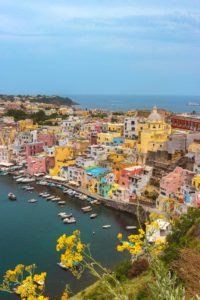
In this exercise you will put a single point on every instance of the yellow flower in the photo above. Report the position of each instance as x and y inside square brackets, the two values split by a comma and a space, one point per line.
[141, 231]
[119, 236]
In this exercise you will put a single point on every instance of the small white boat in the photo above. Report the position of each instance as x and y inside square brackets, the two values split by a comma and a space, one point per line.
[50, 197]
[27, 180]
[69, 221]
[41, 282]
[56, 199]
[131, 227]
[29, 188]
[32, 201]
[92, 216]
[106, 226]
[94, 201]
[45, 195]
[86, 208]
[61, 202]
[64, 215]
[12, 196]
[62, 266]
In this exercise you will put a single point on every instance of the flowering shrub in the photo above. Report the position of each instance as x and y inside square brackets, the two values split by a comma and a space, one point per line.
[72, 249]
[23, 282]
[141, 244]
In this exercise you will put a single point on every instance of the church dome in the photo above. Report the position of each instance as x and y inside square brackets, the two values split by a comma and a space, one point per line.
[154, 115]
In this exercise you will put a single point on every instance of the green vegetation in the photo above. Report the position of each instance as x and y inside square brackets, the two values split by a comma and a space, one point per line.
[55, 100]
[184, 235]
[38, 117]
[175, 275]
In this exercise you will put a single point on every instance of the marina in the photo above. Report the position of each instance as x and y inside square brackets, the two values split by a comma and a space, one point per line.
[19, 223]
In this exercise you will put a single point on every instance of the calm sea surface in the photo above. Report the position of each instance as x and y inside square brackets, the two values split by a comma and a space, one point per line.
[29, 232]
[127, 102]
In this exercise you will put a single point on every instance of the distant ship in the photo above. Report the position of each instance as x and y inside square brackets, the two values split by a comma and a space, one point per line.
[193, 104]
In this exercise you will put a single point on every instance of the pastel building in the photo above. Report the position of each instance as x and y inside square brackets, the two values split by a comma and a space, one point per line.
[126, 173]
[153, 133]
[103, 138]
[170, 185]
[39, 164]
[130, 126]
[73, 174]
[63, 157]
[32, 149]
[84, 161]
[47, 138]
[4, 154]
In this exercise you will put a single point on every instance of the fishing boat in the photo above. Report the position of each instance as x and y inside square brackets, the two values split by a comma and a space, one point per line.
[130, 227]
[86, 208]
[69, 220]
[92, 216]
[12, 196]
[106, 226]
[45, 195]
[50, 197]
[61, 202]
[29, 188]
[62, 266]
[64, 215]
[26, 180]
[32, 201]
[56, 199]
[94, 201]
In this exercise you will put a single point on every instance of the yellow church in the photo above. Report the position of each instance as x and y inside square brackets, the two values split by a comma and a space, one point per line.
[153, 133]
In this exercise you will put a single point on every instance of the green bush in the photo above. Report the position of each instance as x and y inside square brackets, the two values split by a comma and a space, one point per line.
[122, 270]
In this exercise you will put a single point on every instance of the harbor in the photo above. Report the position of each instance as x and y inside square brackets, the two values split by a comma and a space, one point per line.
[34, 229]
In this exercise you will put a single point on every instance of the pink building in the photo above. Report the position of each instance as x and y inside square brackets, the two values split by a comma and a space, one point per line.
[33, 148]
[47, 138]
[171, 183]
[39, 164]
[127, 173]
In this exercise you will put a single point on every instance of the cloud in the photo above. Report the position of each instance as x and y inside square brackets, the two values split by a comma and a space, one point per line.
[125, 27]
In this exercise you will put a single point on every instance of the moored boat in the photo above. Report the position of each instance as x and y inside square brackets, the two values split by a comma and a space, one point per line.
[86, 208]
[131, 227]
[12, 196]
[32, 201]
[71, 220]
[61, 202]
[92, 216]
[62, 266]
[106, 226]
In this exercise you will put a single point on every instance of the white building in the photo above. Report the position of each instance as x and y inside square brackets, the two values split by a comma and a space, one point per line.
[85, 161]
[4, 154]
[130, 126]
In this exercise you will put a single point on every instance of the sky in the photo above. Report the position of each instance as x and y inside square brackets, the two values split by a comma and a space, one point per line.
[100, 47]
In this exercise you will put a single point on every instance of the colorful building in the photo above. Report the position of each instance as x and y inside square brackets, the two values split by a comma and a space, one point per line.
[63, 157]
[39, 164]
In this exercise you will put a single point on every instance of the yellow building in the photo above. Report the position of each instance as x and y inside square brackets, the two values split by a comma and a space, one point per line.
[153, 133]
[107, 137]
[63, 157]
[26, 124]
[114, 157]
[196, 182]
[116, 127]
